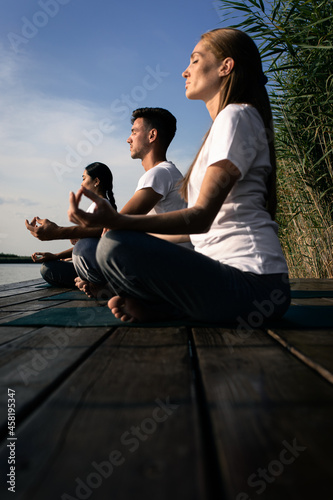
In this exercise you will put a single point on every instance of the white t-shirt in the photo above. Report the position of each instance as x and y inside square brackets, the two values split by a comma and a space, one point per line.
[243, 234]
[91, 208]
[164, 179]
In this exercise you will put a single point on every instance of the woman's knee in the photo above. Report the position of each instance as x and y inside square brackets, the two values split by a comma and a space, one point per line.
[58, 273]
[45, 271]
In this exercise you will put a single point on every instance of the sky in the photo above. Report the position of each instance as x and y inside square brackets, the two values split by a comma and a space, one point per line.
[71, 73]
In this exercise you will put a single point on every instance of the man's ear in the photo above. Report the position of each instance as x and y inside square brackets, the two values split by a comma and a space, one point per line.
[153, 135]
[227, 66]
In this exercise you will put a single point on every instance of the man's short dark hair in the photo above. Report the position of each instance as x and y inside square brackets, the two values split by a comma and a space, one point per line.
[161, 119]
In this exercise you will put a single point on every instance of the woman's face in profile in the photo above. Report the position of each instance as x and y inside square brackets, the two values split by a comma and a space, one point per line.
[203, 79]
[88, 182]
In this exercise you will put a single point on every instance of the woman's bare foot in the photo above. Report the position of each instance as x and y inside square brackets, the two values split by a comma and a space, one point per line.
[125, 309]
[134, 311]
[92, 290]
[130, 310]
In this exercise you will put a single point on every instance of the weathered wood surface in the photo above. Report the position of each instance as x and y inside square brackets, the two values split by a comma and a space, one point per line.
[125, 401]
[157, 413]
[262, 401]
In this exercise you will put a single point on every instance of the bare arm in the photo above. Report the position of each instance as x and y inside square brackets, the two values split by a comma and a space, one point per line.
[141, 202]
[217, 183]
[173, 238]
[45, 230]
[48, 256]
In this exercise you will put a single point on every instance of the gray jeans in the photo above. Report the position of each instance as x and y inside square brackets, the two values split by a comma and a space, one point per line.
[182, 283]
[84, 260]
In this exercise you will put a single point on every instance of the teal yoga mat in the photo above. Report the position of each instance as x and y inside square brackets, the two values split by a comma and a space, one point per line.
[297, 317]
[295, 294]
[71, 295]
[307, 294]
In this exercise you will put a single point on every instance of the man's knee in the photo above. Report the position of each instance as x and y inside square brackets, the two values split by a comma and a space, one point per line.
[84, 256]
[84, 260]
[85, 246]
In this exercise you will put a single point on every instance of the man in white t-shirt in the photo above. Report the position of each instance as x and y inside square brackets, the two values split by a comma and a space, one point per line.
[152, 131]
[157, 191]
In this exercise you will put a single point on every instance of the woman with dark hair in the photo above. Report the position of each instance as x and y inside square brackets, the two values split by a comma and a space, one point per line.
[237, 272]
[101, 177]
[57, 268]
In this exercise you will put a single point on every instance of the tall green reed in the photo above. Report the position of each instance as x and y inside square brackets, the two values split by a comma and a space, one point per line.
[295, 41]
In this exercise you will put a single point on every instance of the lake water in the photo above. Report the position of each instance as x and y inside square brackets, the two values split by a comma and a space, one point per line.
[12, 273]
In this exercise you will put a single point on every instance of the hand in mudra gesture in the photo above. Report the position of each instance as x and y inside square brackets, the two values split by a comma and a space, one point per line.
[103, 216]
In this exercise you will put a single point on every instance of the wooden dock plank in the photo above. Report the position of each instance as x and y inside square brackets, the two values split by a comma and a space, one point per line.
[22, 284]
[133, 395]
[26, 300]
[252, 413]
[35, 362]
[261, 401]
[15, 290]
[314, 301]
[311, 284]
[23, 299]
[33, 305]
[6, 316]
[9, 334]
[313, 347]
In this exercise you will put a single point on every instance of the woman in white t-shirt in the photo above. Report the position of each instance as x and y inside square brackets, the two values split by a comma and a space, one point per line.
[238, 271]
[57, 268]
